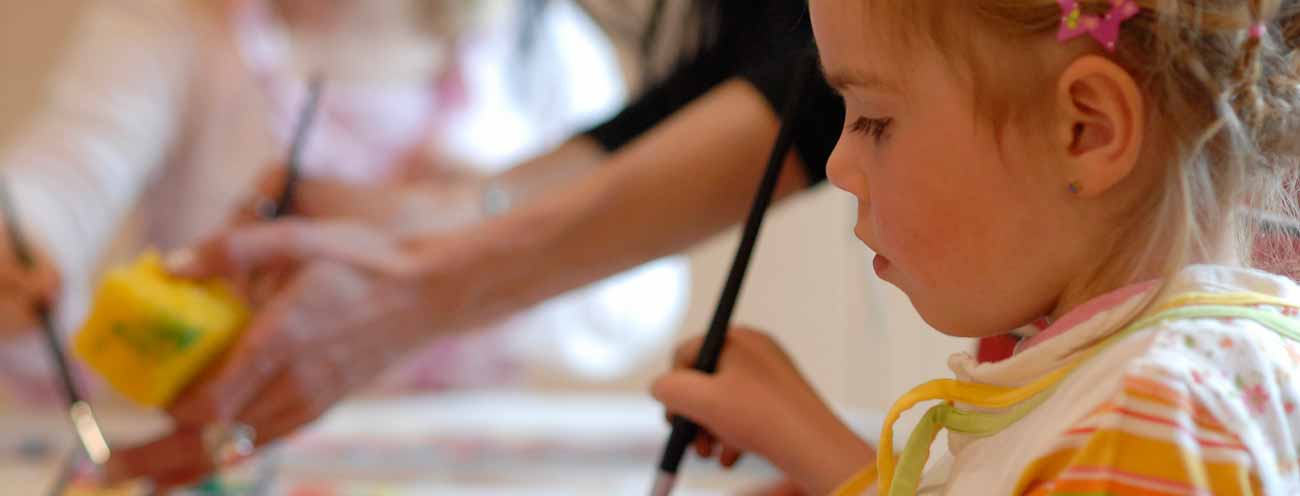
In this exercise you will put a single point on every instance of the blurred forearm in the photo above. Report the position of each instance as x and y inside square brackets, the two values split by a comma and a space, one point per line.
[439, 204]
[570, 161]
[690, 178]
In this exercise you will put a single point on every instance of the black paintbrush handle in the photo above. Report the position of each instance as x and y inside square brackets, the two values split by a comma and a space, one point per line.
[284, 202]
[685, 431]
[60, 360]
[23, 251]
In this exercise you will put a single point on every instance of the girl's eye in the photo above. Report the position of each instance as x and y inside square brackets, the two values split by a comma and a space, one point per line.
[876, 128]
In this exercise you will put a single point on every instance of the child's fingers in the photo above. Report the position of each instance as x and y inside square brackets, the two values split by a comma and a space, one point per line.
[686, 353]
[704, 444]
[783, 488]
[30, 286]
[738, 338]
[196, 262]
[17, 318]
[271, 184]
[41, 283]
[688, 393]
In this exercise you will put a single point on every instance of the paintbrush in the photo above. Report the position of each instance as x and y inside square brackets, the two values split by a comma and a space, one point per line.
[684, 431]
[283, 203]
[86, 427]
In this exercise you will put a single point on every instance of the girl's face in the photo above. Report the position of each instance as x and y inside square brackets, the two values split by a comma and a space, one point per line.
[967, 218]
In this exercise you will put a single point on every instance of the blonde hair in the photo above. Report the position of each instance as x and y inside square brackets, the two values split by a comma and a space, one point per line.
[1225, 111]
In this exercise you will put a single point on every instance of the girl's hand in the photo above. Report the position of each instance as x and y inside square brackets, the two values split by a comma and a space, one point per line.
[783, 488]
[23, 290]
[758, 402]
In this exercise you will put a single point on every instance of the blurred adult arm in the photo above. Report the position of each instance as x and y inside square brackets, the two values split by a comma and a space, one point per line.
[362, 297]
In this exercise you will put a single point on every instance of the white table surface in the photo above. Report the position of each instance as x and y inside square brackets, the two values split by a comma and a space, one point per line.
[484, 443]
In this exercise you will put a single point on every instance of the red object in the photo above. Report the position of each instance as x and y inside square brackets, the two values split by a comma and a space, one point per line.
[996, 349]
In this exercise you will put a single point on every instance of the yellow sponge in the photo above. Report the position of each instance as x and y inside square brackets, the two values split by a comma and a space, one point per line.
[149, 334]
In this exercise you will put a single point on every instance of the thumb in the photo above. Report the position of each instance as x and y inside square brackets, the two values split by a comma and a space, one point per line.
[226, 254]
[691, 394]
[268, 245]
[241, 250]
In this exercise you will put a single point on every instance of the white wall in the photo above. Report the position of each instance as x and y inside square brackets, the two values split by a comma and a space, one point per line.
[858, 339]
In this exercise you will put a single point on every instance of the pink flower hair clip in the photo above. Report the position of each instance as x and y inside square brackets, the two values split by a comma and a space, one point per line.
[1105, 29]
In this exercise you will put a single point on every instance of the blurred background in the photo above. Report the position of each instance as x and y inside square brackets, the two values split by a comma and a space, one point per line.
[857, 338]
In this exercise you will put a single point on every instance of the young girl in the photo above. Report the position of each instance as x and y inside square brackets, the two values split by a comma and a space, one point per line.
[1102, 166]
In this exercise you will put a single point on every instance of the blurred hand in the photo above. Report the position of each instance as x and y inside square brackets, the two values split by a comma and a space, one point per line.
[23, 290]
[783, 488]
[759, 402]
[430, 203]
[355, 302]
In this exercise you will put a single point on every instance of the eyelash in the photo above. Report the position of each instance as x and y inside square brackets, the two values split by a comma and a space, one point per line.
[876, 128]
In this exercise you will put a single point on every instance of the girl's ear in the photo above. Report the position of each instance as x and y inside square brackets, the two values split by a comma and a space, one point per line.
[1100, 125]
